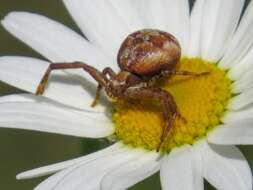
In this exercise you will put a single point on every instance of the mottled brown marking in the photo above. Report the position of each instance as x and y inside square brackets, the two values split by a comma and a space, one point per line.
[147, 52]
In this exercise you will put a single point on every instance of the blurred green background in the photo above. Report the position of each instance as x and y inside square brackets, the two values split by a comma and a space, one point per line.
[22, 150]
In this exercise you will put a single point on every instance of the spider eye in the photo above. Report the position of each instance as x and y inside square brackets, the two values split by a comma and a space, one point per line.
[146, 52]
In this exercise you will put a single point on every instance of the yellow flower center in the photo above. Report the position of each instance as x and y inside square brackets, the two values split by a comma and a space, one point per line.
[200, 100]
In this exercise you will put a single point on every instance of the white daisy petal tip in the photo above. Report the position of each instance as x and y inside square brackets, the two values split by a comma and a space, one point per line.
[50, 169]
[21, 176]
[6, 17]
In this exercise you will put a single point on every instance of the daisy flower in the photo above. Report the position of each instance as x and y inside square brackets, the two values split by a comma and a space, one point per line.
[215, 36]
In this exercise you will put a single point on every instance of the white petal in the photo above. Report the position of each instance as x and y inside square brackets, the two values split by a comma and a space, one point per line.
[244, 66]
[52, 39]
[195, 29]
[242, 100]
[89, 175]
[54, 119]
[241, 41]
[181, 170]
[178, 21]
[52, 181]
[100, 23]
[22, 72]
[244, 83]
[45, 101]
[220, 19]
[226, 168]
[235, 133]
[237, 129]
[234, 116]
[46, 170]
[130, 13]
[19, 98]
[131, 173]
[171, 16]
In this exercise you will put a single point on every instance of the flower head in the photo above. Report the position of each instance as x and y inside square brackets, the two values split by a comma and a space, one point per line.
[217, 107]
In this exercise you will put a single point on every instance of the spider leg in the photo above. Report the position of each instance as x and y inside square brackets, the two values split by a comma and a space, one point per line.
[165, 73]
[106, 72]
[184, 73]
[97, 75]
[110, 72]
[167, 104]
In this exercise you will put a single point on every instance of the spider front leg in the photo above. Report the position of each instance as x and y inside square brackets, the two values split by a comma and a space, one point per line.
[165, 73]
[167, 104]
[97, 75]
[184, 73]
[106, 72]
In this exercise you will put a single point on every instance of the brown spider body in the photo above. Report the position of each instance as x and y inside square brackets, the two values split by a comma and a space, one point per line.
[148, 52]
[143, 57]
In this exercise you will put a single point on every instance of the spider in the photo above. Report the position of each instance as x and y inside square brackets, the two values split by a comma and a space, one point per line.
[144, 57]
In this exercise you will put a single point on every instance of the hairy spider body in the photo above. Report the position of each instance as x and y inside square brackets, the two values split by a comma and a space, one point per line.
[144, 57]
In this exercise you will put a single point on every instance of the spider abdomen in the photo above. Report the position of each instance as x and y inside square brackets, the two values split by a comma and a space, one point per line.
[147, 52]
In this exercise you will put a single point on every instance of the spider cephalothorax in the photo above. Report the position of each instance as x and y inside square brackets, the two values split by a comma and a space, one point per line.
[144, 57]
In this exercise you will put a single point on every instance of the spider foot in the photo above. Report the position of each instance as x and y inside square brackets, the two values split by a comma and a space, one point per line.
[95, 101]
[182, 118]
[202, 74]
[159, 146]
[42, 86]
